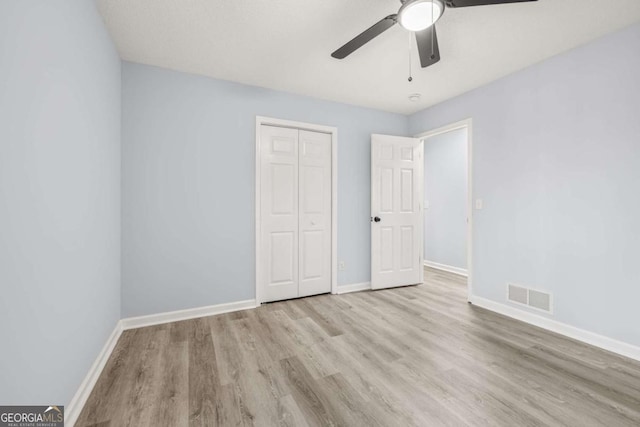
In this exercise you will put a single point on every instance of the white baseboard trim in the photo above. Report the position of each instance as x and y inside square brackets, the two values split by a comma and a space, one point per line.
[606, 343]
[73, 409]
[354, 287]
[448, 268]
[190, 313]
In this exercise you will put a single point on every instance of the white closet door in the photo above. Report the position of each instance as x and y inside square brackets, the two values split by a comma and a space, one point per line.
[396, 210]
[315, 213]
[279, 212]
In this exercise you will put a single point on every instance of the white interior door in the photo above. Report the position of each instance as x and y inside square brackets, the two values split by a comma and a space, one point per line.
[279, 212]
[396, 211]
[315, 212]
[295, 213]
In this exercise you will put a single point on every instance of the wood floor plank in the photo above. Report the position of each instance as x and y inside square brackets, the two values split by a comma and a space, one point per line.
[172, 395]
[143, 378]
[291, 415]
[310, 398]
[413, 356]
[326, 323]
[226, 348]
[355, 408]
[204, 381]
[179, 331]
[372, 387]
[302, 332]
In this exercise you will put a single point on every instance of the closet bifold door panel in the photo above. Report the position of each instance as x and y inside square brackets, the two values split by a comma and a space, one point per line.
[295, 213]
[279, 212]
[315, 212]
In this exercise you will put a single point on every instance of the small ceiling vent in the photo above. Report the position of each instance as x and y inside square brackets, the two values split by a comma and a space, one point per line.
[530, 297]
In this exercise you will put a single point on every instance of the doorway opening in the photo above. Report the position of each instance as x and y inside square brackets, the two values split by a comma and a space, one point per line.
[447, 212]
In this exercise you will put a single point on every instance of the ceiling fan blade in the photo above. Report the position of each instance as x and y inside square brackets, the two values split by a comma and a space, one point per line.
[428, 46]
[465, 3]
[364, 37]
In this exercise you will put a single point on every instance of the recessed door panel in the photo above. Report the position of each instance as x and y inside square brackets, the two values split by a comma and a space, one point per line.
[284, 146]
[406, 153]
[386, 249]
[315, 148]
[386, 190]
[282, 246]
[283, 189]
[312, 248]
[313, 192]
[406, 190]
[407, 260]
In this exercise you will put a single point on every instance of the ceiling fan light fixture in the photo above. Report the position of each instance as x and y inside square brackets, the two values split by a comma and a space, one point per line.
[418, 15]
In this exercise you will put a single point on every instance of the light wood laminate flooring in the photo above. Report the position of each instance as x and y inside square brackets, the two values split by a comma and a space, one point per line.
[414, 356]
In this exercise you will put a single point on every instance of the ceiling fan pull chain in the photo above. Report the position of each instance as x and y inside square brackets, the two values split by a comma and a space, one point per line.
[410, 78]
[432, 37]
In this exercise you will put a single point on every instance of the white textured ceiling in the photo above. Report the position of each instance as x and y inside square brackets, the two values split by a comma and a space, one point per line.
[286, 44]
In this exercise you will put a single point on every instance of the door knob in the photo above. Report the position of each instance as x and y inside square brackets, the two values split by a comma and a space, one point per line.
[377, 219]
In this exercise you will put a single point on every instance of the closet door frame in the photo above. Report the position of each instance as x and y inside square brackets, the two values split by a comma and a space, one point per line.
[260, 121]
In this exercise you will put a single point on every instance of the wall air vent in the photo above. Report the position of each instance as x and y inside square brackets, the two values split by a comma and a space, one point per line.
[530, 297]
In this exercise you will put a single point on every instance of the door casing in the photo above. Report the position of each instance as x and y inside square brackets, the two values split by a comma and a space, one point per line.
[269, 121]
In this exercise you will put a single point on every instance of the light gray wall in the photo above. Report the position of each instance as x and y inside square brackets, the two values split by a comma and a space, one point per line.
[556, 159]
[445, 194]
[59, 197]
[189, 185]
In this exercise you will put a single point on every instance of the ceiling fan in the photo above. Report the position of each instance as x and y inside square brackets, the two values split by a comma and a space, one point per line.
[418, 16]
